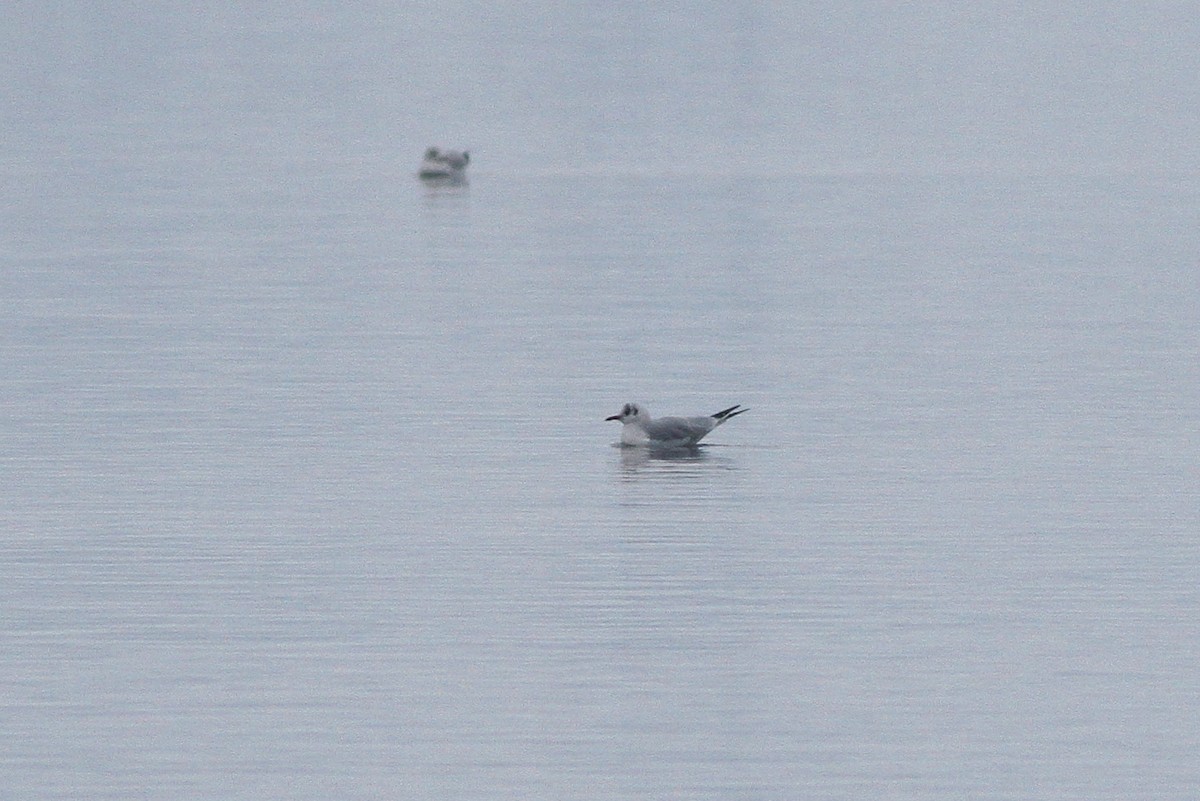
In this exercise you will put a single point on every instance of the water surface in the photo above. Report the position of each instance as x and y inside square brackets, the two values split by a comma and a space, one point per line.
[309, 492]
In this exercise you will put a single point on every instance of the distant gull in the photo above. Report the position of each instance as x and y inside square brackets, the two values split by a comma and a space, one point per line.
[444, 164]
[667, 432]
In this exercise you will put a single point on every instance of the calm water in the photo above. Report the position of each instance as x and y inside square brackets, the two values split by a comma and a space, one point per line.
[308, 492]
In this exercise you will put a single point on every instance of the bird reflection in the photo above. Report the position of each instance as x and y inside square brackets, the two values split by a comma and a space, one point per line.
[679, 462]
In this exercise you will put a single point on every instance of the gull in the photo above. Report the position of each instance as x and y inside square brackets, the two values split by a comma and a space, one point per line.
[637, 428]
[444, 163]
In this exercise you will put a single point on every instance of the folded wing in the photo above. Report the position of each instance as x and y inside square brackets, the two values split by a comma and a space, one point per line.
[681, 430]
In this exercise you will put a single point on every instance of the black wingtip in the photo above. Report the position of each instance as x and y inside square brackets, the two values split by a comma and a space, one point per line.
[725, 414]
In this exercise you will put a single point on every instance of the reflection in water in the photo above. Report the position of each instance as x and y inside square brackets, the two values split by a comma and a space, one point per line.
[690, 460]
[444, 191]
[444, 182]
[676, 495]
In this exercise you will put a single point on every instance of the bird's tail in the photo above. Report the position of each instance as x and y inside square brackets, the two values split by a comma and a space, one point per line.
[725, 414]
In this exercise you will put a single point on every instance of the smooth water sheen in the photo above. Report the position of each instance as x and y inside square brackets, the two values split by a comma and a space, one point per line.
[308, 491]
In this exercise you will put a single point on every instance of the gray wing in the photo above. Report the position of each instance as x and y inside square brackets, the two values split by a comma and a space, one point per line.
[687, 429]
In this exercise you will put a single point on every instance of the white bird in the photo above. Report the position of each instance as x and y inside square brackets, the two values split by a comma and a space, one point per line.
[667, 432]
[444, 164]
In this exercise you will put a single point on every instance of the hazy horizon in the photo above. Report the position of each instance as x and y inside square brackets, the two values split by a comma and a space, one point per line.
[815, 88]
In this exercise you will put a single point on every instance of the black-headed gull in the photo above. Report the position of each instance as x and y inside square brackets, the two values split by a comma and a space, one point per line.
[444, 163]
[638, 428]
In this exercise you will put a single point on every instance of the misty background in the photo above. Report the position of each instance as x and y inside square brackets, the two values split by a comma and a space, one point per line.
[694, 87]
[307, 490]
